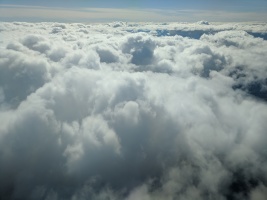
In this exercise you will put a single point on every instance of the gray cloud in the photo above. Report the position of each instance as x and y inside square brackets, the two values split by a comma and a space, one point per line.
[112, 113]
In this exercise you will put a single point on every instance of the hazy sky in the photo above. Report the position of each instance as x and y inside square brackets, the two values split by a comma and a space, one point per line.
[138, 10]
[239, 5]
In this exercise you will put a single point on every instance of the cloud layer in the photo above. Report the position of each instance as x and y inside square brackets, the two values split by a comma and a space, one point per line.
[172, 11]
[133, 111]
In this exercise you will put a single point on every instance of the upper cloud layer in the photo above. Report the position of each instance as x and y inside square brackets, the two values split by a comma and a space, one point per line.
[93, 13]
[133, 111]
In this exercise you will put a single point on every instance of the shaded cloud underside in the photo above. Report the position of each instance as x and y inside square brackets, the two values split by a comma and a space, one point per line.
[133, 111]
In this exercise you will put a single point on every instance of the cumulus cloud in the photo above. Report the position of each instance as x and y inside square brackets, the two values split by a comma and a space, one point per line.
[118, 111]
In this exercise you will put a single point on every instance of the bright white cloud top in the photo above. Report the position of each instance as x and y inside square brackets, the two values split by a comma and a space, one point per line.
[133, 111]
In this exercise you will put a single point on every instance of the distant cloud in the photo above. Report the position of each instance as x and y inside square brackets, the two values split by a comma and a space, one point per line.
[41, 13]
[133, 111]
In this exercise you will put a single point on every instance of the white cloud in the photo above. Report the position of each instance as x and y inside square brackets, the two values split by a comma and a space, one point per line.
[119, 111]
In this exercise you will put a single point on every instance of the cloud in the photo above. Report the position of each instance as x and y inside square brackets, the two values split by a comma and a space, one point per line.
[21, 75]
[96, 14]
[141, 48]
[115, 112]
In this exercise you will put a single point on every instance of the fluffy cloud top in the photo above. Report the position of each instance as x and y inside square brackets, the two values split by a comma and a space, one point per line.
[133, 111]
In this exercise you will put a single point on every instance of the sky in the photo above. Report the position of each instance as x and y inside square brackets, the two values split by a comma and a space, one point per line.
[126, 10]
